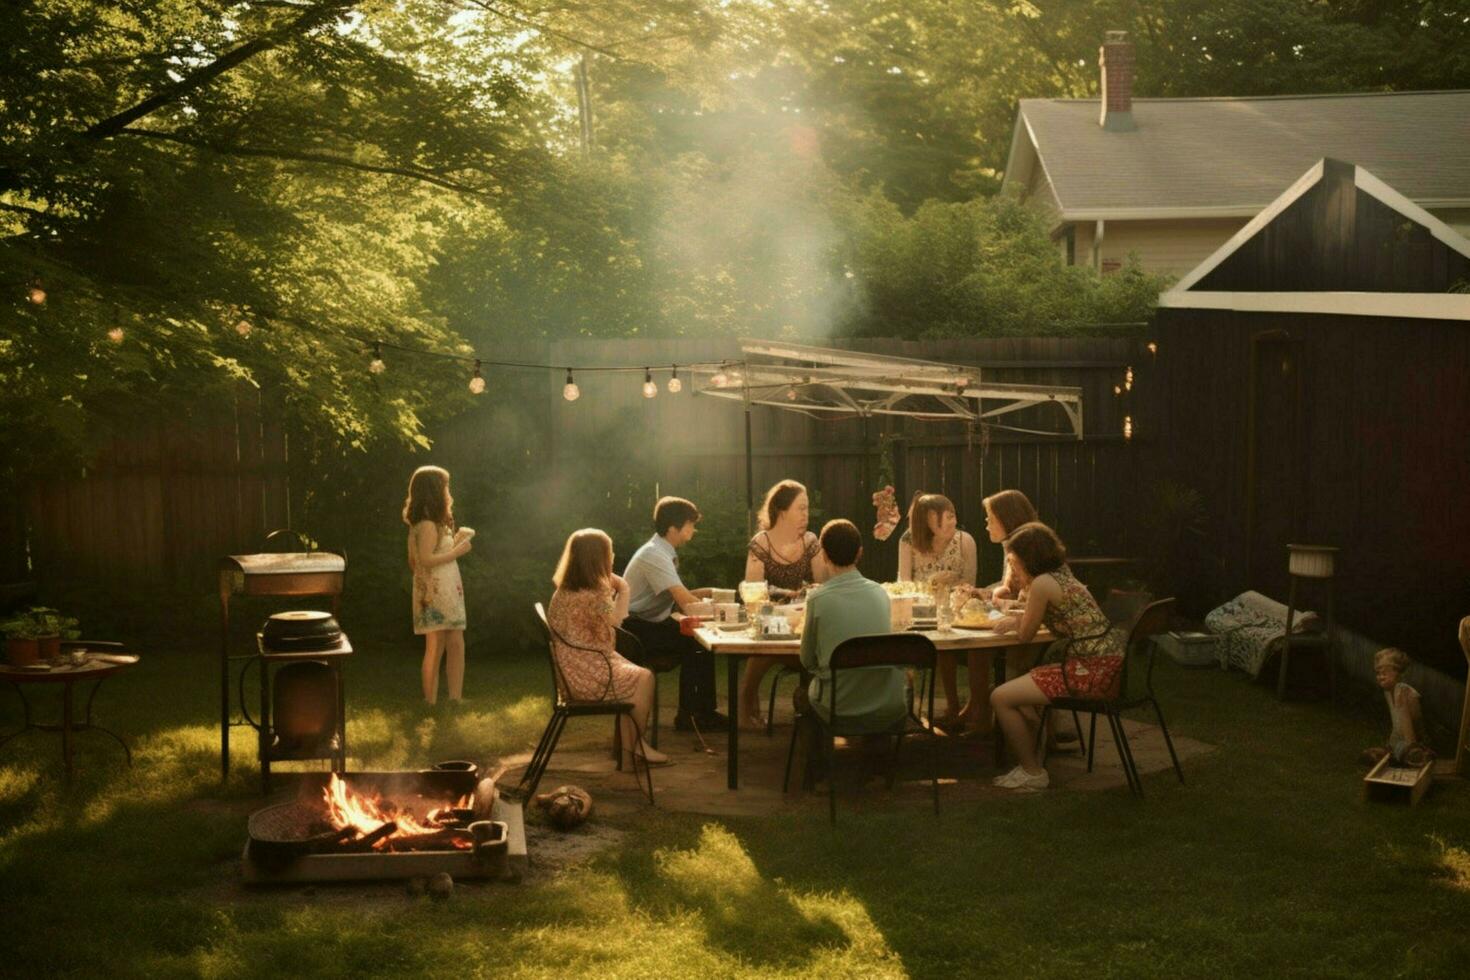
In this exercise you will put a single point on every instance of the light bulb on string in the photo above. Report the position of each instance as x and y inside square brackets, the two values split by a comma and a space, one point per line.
[36, 293]
[650, 390]
[570, 391]
[675, 385]
[1117, 389]
[376, 365]
[477, 380]
[1152, 346]
[1128, 379]
[1127, 427]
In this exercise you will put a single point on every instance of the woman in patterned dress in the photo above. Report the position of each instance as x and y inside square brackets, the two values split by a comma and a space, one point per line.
[934, 551]
[1056, 599]
[589, 602]
[434, 550]
[789, 557]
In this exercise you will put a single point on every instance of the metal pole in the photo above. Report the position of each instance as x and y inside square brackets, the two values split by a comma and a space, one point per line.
[749, 472]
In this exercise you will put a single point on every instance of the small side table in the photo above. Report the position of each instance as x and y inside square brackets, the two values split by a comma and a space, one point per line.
[93, 671]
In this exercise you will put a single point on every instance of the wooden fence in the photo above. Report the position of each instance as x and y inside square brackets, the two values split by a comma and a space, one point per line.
[164, 500]
[160, 502]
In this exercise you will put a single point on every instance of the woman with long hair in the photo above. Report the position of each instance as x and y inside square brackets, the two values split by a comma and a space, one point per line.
[786, 555]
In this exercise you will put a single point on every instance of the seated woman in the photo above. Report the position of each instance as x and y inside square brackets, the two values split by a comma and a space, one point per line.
[1004, 512]
[786, 555]
[589, 602]
[1056, 599]
[934, 551]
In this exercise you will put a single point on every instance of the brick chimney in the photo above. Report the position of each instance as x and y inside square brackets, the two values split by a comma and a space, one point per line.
[1115, 58]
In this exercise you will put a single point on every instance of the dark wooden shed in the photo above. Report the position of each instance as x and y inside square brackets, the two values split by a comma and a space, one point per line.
[1314, 386]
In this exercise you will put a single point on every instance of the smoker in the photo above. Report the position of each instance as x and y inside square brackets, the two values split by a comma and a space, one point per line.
[303, 702]
[301, 574]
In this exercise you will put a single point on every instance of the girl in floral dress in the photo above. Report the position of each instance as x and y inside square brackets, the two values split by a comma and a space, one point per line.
[434, 549]
[1056, 599]
[589, 602]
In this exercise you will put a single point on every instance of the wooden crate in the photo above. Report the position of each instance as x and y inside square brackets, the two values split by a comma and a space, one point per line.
[1388, 782]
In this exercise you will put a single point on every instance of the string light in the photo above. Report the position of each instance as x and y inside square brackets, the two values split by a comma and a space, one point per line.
[1117, 389]
[36, 293]
[115, 335]
[675, 385]
[1152, 346]
[376, 365]
[1128, 379]
[1127, 427]
[477, 380]
[571, 392]
[650, 389]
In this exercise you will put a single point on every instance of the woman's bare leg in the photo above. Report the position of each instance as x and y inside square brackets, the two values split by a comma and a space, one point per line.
[1011, 701]
[750, 691]
[429, 671]
[643, 712]
[454, 664]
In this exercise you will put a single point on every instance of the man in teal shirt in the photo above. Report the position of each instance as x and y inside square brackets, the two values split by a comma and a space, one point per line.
[848, 605]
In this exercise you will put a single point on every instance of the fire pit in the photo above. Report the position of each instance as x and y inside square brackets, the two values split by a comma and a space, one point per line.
[387, 825]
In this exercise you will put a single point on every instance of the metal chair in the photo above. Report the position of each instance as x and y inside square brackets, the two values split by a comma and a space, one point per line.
[1153, 619]
[631, 648]
[898, 650]
[564, 707]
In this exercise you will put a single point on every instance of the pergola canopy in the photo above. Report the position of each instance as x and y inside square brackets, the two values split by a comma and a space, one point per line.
[797, 377]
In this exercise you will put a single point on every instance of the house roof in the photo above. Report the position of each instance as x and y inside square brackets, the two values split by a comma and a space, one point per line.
[1230, 157]
[1323, 222]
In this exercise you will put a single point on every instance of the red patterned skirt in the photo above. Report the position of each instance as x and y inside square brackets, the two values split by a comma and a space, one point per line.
[1088, 677]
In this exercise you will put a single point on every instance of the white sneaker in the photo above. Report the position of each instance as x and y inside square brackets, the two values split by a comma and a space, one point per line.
[1010, 779]
[1018, 778]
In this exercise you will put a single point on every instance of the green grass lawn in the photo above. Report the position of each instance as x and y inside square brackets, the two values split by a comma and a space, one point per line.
[1266, 863]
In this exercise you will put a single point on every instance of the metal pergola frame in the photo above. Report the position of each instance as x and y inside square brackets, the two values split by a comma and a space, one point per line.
[797, 377]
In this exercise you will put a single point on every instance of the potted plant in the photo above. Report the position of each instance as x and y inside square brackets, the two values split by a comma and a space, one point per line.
[36, 634]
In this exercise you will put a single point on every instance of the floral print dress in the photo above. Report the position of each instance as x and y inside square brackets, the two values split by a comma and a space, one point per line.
[1093, 665]
[438, 592]
[582, 641]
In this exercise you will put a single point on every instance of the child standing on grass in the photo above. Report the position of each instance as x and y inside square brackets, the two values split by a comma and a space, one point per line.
[434, 547]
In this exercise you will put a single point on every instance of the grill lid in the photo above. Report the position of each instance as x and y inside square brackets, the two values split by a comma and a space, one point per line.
[301, 629]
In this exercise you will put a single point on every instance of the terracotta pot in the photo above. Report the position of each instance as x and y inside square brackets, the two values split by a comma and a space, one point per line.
[50, 648]
[21, 652]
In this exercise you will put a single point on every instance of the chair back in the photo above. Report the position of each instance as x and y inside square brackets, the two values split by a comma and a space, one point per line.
[1151, 620]
[912, 650]
[558, 682]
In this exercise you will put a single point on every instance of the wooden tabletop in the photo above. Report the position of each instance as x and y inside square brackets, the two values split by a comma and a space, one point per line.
[740, 641]
[91, 670]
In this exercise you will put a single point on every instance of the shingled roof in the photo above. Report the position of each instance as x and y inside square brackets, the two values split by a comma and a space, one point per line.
[1228, 157]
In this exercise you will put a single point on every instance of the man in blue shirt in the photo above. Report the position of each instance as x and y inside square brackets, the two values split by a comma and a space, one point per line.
[654, 589]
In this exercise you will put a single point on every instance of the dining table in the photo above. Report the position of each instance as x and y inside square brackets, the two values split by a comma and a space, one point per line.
[735, 645]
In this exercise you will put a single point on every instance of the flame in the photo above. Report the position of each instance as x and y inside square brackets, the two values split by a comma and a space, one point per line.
[346, 807]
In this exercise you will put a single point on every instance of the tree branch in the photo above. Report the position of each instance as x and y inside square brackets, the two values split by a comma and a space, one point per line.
[299, 156]
[313, 17]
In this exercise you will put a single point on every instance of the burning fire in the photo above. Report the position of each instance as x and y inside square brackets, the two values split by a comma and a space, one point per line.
[348, 808]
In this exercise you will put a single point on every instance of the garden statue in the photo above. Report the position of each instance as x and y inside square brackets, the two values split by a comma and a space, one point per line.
[566, 806]
[1406, 738]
